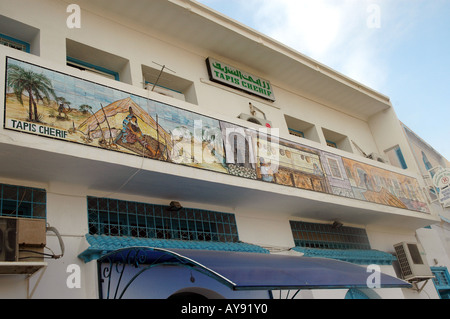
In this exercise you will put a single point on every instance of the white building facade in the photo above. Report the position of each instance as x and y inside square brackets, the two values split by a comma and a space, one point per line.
[167, 126]
[435, 239]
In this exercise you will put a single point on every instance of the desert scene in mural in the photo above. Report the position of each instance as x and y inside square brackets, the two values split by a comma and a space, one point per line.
[125, 124]
[106, 128]
[43, 101]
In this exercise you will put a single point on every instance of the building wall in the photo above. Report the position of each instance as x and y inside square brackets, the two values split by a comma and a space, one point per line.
[189, 63]
[67, 207]
[436, 239]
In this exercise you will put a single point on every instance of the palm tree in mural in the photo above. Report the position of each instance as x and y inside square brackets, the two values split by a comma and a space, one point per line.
[37, 86]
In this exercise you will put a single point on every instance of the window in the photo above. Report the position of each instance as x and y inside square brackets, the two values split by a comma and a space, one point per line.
[19, 36]
[325, 236]
[22, 202]
[337, 140]
[427, 164]
[302, 129]
[113, 217]
[93, 60]
[331, 144]
[164, 81]
[442, 281]
[84, 66]
[396, 157]
[296, 133]
[14, 43]
[401, 159]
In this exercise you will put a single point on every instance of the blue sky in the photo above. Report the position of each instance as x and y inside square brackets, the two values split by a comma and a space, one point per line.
[400, 48]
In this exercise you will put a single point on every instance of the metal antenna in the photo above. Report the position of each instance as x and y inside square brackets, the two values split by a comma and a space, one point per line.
[163, 67]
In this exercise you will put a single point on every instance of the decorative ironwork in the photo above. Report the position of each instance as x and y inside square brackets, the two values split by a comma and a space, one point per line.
[113, 267]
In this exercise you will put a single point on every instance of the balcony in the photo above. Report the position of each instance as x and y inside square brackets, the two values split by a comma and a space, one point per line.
[116, 138]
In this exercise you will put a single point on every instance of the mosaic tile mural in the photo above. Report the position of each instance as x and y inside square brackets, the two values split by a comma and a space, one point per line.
[48, 103]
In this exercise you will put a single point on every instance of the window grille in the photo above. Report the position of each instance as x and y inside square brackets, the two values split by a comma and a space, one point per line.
[324, 236]
[296, 133]
[442, 278]
[113, 217]
[331, 144]
[441, 281]
[13, 43]
[22, 202]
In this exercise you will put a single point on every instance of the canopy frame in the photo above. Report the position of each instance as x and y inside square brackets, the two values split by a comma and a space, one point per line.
[145, 258]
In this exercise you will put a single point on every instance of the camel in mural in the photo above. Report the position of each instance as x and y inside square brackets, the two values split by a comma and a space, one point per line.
[62, 109]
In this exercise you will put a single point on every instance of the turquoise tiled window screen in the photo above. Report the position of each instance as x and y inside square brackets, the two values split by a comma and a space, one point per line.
[442, 278]
[442, 281]
[22, 202]
[324, 236]
[112, 217]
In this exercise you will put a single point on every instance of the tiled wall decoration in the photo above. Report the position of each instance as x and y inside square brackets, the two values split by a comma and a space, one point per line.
[48, 103]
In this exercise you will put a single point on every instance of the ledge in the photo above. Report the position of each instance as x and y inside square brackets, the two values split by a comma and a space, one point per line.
[21, 268]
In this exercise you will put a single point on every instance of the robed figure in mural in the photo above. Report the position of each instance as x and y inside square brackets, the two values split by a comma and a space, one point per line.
[131, 133]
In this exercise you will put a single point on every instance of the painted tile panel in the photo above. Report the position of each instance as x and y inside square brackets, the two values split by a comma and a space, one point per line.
[48, 103]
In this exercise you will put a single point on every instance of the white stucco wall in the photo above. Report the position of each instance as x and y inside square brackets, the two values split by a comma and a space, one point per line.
[67, 208]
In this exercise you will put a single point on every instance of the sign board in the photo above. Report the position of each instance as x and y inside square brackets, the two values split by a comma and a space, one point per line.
[230, 76]
[442, 182]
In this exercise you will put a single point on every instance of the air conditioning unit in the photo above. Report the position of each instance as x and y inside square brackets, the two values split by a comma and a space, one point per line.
[378, 158]
[8, 239]
[256, 120]
[22, 239]
[412, 262]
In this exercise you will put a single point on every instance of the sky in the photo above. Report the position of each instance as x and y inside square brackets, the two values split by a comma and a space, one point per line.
[400, 48]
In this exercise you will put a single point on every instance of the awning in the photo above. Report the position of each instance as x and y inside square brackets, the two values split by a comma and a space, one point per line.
[252, 271]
